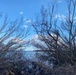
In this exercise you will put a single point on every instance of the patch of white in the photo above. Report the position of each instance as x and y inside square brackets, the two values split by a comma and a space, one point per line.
[36, 39]
[57, 16]
[31, 48]
[29, 21]
[18, 40]
[21, 13]
[25, 26]
[63, 17]
[9, 39]
[60, 17]
[36, 36]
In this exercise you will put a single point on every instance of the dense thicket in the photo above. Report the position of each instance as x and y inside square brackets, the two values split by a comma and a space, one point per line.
[58, 32]
[57, 55]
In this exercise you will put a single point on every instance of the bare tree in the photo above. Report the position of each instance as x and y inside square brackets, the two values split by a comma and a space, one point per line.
[12, 39]
[70, 28]
[59, 43]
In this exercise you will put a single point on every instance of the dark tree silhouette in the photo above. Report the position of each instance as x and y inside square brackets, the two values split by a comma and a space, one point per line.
[12, 41]
[60, 38]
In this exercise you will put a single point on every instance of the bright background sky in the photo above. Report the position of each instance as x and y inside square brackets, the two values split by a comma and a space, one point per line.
[26, 8]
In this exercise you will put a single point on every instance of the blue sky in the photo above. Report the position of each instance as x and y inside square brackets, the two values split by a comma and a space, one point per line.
[28, 9]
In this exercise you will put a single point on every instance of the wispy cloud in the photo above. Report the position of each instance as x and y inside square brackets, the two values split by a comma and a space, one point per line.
[28, 21]
[25, 26]
[57, 16]
[36, 36]
[60, 17]
[18, 40]
[63, 17]
[21, 12]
